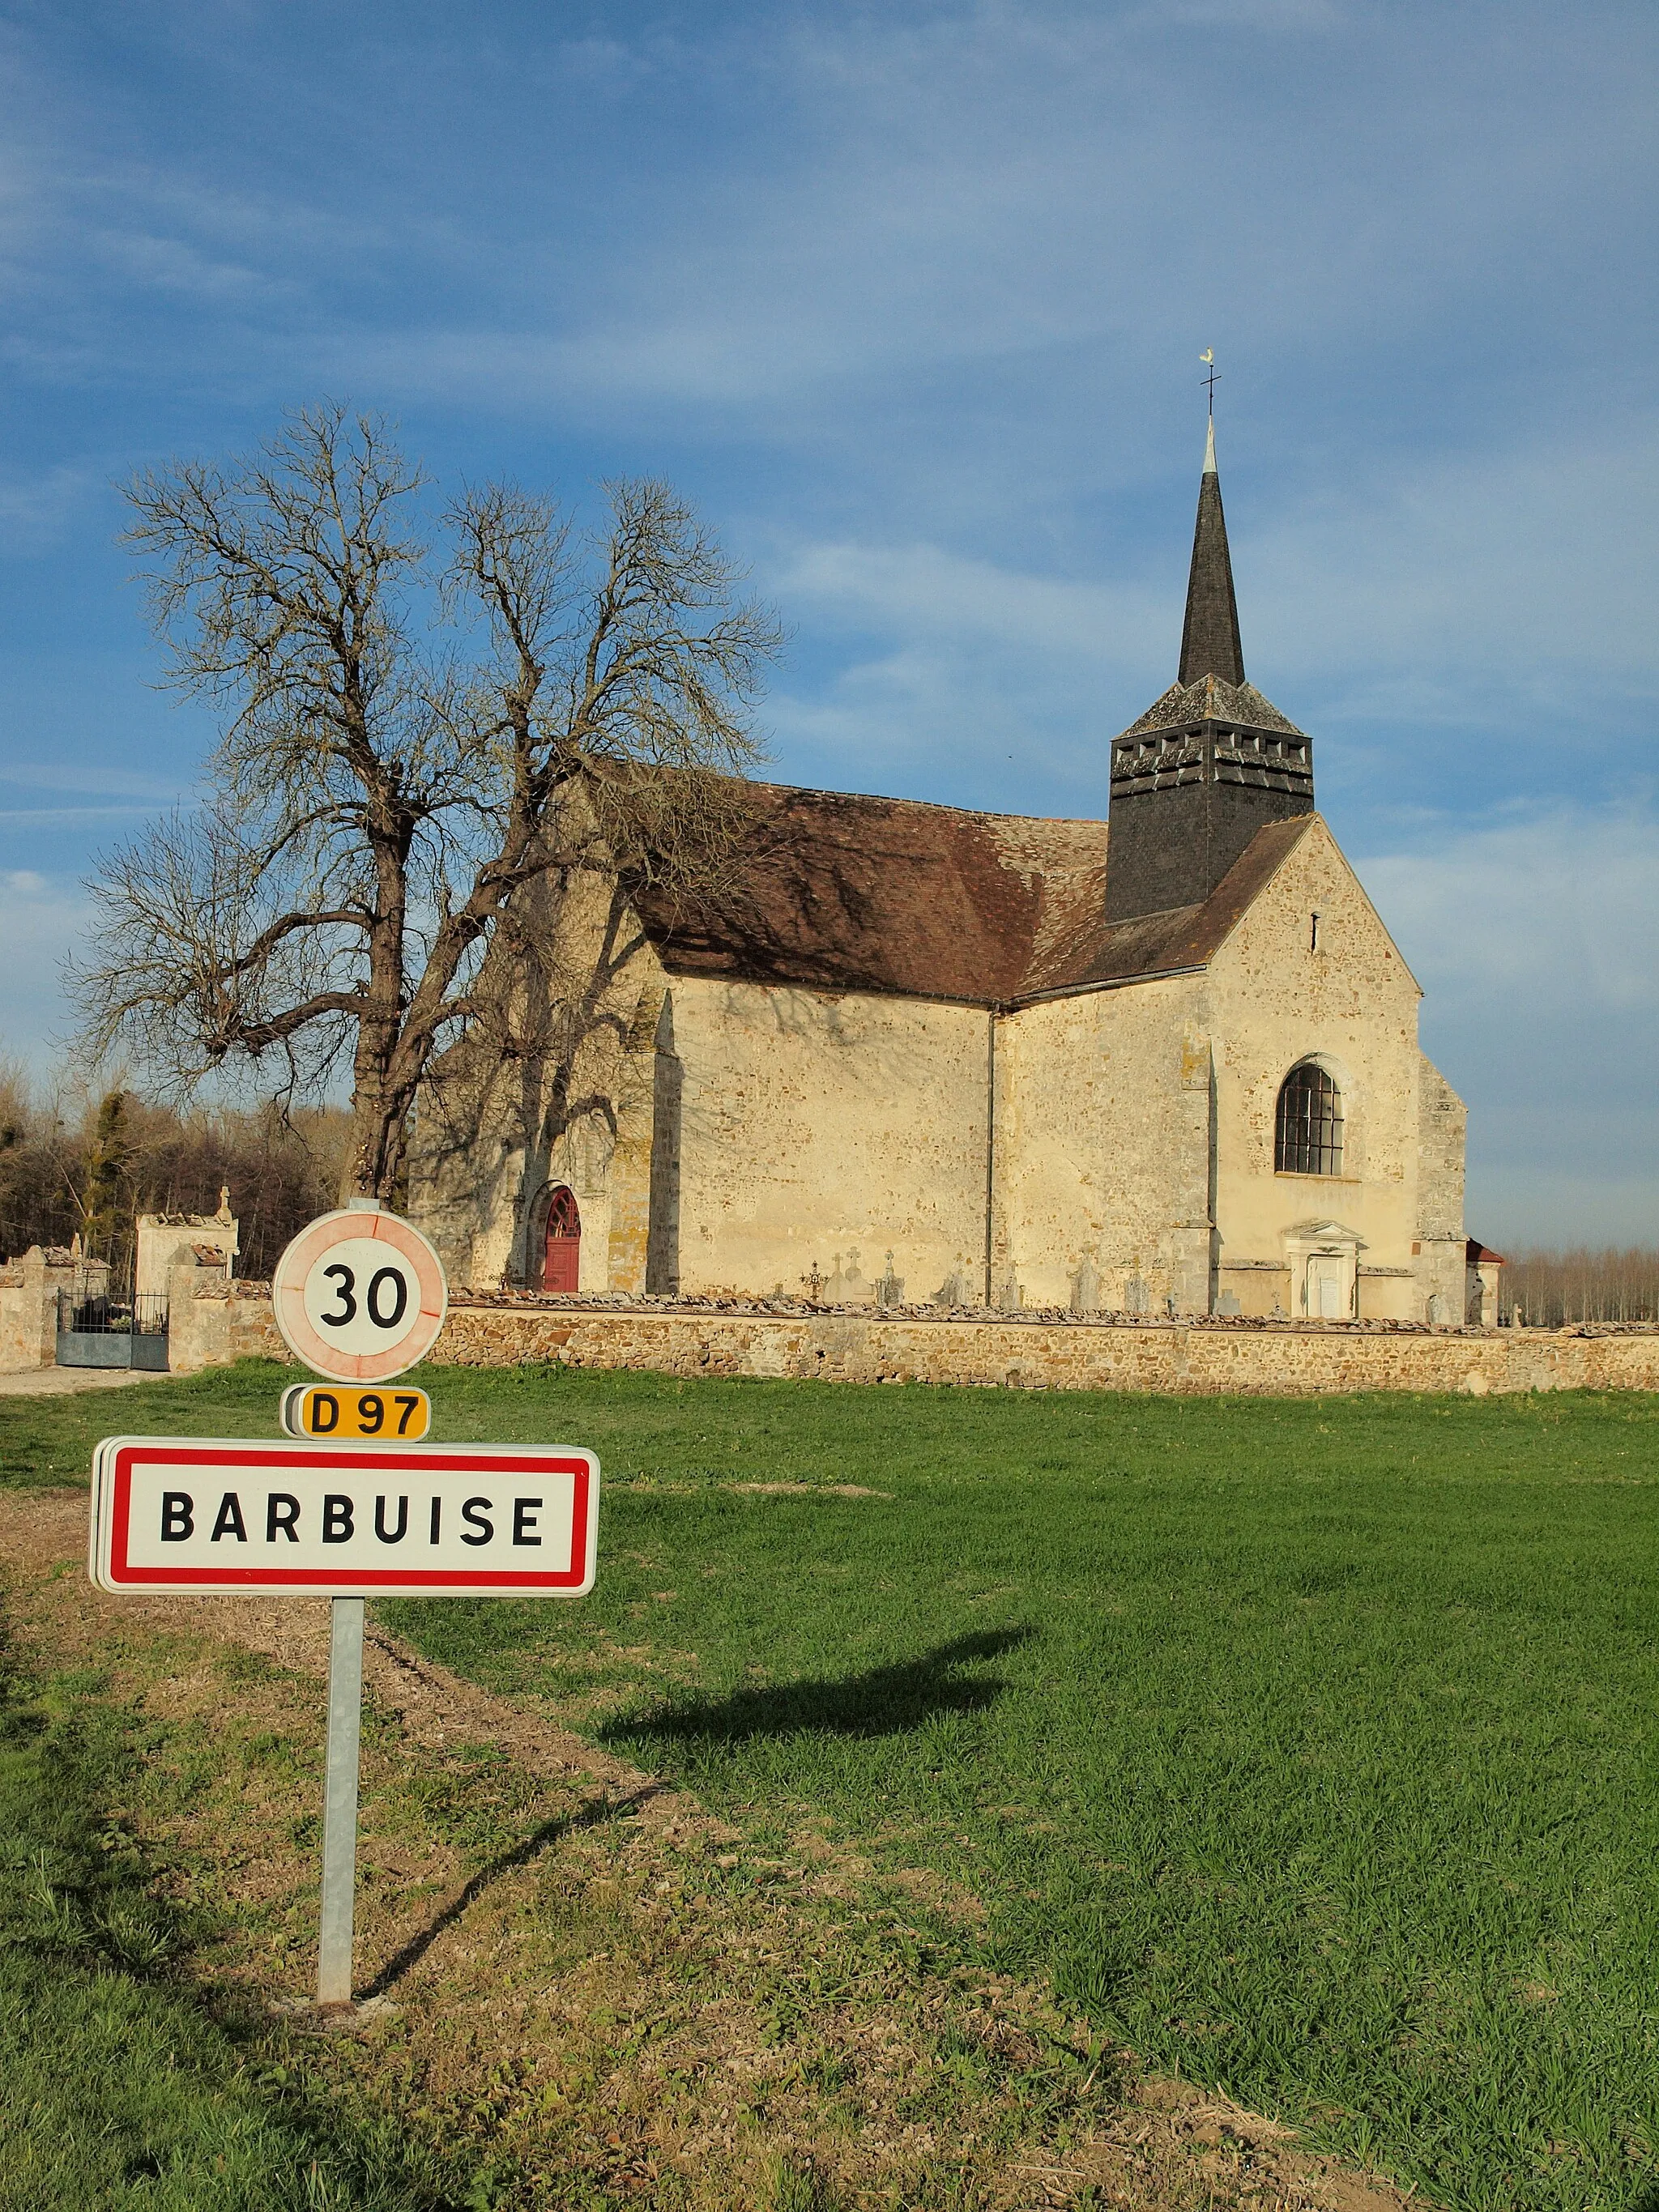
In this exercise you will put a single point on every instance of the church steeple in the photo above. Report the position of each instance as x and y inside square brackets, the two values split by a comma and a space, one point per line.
[1210, 642]
[1209, 763]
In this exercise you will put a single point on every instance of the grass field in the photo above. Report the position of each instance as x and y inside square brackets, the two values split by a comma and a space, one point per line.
[1308, 1746]
[117, 2087]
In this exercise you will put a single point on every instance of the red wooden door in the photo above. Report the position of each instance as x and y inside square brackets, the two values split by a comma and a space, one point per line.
[561, 1256]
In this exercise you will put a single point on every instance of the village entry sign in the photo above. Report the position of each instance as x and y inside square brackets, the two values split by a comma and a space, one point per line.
[349, 1502]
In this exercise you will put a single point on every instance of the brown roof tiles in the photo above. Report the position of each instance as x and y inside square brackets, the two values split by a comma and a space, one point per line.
[842, 892]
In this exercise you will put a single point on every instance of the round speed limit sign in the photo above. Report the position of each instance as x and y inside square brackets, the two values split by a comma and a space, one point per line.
[359, 1296]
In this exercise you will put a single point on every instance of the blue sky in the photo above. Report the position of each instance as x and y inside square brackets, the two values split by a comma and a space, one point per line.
[910, 300]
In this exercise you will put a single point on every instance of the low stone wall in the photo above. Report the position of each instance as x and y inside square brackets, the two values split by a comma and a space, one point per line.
[211, 1322]
[28, 1306]
[219, 1323]
[1191, 1357]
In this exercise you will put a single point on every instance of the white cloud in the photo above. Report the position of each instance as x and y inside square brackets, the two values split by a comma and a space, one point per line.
[102, 779]
[40, 919]
[1504, 576]
[67, 817]
[1537, 943]
[1556, 916]
[39, 509]
[925, 591]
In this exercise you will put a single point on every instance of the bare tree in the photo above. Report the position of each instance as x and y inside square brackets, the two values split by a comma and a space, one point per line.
[414, 736]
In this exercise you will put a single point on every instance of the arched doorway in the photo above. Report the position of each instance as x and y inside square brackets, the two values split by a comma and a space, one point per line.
[561, 1242]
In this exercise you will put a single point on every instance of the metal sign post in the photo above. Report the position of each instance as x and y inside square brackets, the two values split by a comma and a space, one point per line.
[349, 1335]
[233, 1516]
[351, 1503]
[345, 1713]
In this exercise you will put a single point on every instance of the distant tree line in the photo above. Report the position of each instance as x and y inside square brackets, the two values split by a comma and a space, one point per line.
[1554, 1289]
[87, 1166]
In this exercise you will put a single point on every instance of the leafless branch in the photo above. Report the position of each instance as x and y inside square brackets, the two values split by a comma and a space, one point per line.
[411, 742]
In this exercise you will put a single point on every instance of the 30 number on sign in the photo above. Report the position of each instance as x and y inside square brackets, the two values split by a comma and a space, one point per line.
[397, 1297]
[359, 1295]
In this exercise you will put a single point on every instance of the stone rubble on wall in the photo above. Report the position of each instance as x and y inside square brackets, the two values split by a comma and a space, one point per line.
[1034, 1349]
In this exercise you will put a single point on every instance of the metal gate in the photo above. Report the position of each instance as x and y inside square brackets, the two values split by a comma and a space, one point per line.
[95, 1330]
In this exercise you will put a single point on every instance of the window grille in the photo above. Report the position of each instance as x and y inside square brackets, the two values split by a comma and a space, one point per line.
[1309, 1141]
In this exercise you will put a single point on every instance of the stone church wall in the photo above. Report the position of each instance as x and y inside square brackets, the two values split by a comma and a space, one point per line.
[1103, 1149]
[1348, 1001]
[822, 1130]
[1442, 1126]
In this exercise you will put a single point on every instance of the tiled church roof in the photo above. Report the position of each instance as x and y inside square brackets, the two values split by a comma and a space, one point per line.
[839, 892]
[1211, 699]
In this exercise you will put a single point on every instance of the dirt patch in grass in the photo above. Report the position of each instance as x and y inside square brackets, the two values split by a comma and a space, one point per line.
[593, 1993]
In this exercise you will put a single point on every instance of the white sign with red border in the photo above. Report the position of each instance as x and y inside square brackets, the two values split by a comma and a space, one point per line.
[220, 1516]
[359, 1296]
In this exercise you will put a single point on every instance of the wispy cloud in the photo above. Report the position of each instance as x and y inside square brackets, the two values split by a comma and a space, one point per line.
[106, 781]
[39, 509]
[67, 817]
[1524, 568]
[40, 919]
[1537, 943]
[912, 300]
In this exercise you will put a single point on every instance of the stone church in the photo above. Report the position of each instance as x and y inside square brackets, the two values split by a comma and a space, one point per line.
[1163, 1063]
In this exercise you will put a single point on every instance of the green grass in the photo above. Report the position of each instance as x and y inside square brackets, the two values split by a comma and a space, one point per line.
[117, 2087]
[1310, 1747]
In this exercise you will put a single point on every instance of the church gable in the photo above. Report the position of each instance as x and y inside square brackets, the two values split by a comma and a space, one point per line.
[1309, 918]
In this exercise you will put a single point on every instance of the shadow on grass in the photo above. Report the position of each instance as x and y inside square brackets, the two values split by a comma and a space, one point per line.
[594, 1814]
[886, 1701]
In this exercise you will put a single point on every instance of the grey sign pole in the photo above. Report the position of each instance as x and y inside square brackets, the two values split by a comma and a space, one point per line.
[345, 1708]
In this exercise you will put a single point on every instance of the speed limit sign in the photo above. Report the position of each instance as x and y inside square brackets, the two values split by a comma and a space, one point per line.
[360, 1296]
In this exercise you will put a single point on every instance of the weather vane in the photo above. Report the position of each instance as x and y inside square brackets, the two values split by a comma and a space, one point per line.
[1208, 354]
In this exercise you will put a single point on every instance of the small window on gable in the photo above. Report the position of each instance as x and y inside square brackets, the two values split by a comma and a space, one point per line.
[1309, 1137]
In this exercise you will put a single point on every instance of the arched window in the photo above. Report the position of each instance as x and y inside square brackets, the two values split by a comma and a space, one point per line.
[1309, 1138]
[562, 1242]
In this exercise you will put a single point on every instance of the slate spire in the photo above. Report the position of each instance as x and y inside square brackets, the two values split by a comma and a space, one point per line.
[1209, 638]
[1209, 764]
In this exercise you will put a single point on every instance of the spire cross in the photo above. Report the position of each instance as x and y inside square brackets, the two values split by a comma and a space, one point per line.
[1208, 354]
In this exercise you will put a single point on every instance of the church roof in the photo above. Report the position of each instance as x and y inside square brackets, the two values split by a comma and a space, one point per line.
[1182, 937]
[1211, 699]
[842, 892]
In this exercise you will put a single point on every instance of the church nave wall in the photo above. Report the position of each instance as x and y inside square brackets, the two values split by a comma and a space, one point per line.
[1105, 1156]
[817, 1129]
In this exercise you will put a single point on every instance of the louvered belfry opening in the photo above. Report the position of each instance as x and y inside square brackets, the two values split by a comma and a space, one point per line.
[1309, 1137]
[1209, 763]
